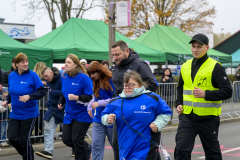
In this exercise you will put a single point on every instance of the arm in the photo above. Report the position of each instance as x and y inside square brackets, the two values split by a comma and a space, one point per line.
[104, 102]
[161, 121]
[62, 99]
[5, 80]
[56, 93]
[147, 76]
[40, 93]
[219, 80]
[104, 120]
[89, 108]
[179, 100]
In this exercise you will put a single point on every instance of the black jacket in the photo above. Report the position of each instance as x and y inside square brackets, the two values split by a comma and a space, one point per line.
[132, 63]
[5, 77]
[219, 80]
[168, 89]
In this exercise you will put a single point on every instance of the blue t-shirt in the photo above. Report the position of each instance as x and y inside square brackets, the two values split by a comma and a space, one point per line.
[80, 84]
[20, 85]
[103, 94]
[139, 112]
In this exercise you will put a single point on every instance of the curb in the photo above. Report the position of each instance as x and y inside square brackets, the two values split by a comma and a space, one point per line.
[60, 144]
[170, 129]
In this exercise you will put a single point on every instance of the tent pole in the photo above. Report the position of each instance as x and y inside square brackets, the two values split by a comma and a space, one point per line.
[112, 7]
[166, 64]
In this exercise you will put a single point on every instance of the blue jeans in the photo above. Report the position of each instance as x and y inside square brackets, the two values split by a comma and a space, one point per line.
[237, 92]
[99, 132]
[3, 131]
[49, 132]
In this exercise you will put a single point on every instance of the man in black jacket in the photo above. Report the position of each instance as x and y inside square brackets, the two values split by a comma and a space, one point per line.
[200, 106]
[5, 76]
[125, 60]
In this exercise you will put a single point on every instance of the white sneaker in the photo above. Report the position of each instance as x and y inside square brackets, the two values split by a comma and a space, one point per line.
[4, 144]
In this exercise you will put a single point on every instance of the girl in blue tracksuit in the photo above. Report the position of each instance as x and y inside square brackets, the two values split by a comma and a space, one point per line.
[77, 91]
[103, 90]
[141, 110]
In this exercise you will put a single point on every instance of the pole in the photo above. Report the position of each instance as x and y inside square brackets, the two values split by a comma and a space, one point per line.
[112, 7]
[166, 64]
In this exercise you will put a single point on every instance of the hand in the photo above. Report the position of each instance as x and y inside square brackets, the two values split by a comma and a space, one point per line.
[5, 104]
[198, 93]
[179, 109]
[50, 90]
[90, 114]
[44, 83]
[72, 97]
[111, 118]
[167, 77]
[60, 106]
[164, 79]
[94, 105]
[9, 105]
[237, 74]
[153, 127]
[24, 98]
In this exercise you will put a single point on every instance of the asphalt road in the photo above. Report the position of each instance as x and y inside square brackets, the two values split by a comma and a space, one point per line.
[229, 139]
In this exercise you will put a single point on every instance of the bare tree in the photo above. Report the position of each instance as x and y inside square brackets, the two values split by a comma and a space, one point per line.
[65, 8]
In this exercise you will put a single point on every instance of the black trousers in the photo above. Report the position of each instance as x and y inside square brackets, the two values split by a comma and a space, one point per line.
[208, 133]
[19, 132]
[73, 136]
[153, 153]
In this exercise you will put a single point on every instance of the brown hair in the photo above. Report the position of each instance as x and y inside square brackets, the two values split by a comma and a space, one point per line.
[123, 46]
[135, 76]
[44, 69]
[20, 57]
[104, 75]
[105, 62]
[79, 67]
[38, 68]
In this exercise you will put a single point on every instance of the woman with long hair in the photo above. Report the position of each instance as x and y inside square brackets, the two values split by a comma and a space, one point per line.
[38, 130]
[77, 91]
[103, 89]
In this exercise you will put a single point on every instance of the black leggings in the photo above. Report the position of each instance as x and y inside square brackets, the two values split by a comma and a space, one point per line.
[73, 136]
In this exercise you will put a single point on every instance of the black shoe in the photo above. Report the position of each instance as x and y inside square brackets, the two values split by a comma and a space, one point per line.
[44, 154]
[38, 140]
[73, 153]
[89, 151]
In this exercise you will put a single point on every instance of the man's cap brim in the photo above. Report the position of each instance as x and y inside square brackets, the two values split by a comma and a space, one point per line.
[197, 41]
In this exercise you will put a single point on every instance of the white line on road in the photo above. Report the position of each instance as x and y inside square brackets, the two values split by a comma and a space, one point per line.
[230, 150]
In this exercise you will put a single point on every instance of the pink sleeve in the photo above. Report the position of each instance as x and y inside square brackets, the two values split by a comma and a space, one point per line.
[89, 108]
[104, 102]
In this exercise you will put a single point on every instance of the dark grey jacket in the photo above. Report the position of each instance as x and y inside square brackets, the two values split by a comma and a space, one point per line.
[132, 63]
[5, 77]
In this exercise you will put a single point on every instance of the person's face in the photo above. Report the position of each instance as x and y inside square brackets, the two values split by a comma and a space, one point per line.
[238, 67]
[84, 64]
[199, 50]
[48, 75]
[105, 65]
[5, 94]
[128, 87]
[95, 76]
[70, 65]
[13, 65]
[119, 55]
[23, 65]
[167, 72]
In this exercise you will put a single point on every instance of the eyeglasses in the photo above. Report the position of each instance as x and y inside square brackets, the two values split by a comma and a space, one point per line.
[131, 86]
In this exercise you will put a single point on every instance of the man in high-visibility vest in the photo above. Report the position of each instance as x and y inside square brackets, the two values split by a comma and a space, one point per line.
[203, 84]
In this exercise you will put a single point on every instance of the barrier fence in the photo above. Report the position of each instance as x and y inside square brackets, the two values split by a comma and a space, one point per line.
[167, 91]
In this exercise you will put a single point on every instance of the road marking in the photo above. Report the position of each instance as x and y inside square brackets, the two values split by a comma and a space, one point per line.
[226, 151]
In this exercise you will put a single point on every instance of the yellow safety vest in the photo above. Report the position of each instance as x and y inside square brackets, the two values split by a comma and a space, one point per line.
[203, 80]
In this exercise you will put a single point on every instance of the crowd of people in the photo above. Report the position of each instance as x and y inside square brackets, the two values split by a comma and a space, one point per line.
[114, 99]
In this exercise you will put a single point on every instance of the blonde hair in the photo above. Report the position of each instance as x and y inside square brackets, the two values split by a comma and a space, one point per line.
[38, 68]
[79, 67]
[135, 76]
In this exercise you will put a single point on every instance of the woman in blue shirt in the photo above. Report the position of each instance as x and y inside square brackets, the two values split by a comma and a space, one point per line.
[25, 88]
[103, 89]
[77, 91]
[143, 111]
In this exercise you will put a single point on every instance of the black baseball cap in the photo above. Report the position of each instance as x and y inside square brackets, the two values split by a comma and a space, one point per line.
[201, 38]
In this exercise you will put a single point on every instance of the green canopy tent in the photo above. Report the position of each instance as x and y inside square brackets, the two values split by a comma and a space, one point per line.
[175, 44]
[235, 60]
[88, 39]
[9, 48]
